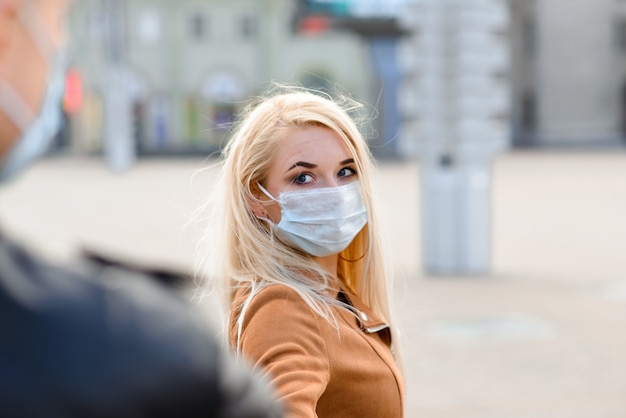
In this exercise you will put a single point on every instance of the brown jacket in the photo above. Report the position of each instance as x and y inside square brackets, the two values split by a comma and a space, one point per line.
[319, 370]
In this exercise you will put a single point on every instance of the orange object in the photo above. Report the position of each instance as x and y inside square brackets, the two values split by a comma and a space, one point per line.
[314, 25]
[73, 98]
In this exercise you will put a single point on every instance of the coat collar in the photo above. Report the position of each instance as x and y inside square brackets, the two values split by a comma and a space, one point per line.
[367, 320]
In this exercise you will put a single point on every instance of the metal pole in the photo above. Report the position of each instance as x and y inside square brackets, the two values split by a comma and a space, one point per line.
[460, 97]
[119, 147]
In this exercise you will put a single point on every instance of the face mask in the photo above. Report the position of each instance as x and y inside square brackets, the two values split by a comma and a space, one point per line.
[37, 130]
[320, 221]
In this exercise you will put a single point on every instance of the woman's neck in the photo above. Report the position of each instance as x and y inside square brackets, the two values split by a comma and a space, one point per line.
[328, 263]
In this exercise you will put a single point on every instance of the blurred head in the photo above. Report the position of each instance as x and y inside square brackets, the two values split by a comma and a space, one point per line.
[32, 36]
[281, 131]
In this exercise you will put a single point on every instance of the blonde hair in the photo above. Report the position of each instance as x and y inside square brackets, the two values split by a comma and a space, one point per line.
[246, 253]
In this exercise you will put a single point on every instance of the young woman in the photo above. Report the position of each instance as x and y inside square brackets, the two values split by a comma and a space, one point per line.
[302, 259]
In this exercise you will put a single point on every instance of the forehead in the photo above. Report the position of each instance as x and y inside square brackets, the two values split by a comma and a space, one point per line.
[310, 144]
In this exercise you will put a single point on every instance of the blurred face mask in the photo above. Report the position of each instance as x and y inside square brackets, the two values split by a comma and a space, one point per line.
[37, 129]
[320, 221]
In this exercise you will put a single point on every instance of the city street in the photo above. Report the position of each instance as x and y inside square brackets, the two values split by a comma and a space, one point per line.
[542, 335]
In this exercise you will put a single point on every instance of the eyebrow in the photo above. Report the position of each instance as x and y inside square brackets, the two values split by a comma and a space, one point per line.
[310, 165]
[301, 164]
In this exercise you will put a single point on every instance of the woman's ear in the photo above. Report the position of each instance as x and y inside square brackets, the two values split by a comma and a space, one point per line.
[254, 200]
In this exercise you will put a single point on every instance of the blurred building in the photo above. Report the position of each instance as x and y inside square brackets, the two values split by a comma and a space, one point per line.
[569, 72]
[192, 64]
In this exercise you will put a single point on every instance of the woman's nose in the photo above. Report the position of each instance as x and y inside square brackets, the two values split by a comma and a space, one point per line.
[331, 182]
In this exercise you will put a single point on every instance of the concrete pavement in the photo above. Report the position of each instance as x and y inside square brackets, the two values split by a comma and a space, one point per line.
[543, 335]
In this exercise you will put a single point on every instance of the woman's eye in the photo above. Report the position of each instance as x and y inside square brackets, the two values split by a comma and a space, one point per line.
[303, 178]
[346, 172]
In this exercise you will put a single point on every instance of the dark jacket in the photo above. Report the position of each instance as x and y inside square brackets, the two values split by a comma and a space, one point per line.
[110, 343]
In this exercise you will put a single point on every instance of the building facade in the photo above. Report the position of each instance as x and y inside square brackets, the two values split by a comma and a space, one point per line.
[191, 65]
[568, 73]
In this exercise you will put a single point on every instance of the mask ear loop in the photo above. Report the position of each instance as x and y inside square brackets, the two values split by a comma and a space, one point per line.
[266, 193]
[32, 19]
[358, 258]
[355, 260]
[15, 107]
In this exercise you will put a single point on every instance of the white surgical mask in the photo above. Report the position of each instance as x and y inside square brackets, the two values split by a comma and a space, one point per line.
[321, 221]
[37, 129]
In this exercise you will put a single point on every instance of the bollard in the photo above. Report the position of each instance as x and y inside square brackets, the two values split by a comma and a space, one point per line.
[456, 212]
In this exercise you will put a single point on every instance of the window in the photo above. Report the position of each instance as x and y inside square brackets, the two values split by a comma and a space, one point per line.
[529, 37]
[248, 27]
[198, 26]
[620, 35]
[529, 109]
[149, 26]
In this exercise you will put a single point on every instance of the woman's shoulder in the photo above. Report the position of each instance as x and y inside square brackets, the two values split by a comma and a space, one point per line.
[274, 296]
[274, 314]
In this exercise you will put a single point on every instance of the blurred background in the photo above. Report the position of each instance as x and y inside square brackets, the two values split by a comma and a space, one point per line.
[188, 66]
[499, 128]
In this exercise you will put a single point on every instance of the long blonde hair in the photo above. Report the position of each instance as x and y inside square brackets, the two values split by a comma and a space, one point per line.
[246, 253]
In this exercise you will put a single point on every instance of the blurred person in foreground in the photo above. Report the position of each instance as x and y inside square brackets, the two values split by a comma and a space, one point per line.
[299, 254]
[104, 341]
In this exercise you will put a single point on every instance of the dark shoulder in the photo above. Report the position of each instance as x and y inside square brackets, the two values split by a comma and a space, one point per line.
[106, 299]
[115, 334]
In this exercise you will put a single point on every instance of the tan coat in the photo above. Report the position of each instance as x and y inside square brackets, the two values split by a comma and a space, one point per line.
[319, 370]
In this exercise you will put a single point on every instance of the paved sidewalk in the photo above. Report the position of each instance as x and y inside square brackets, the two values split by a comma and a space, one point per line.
[544, 335]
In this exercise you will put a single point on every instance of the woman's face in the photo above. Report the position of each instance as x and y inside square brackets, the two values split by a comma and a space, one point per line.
[307, 158]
